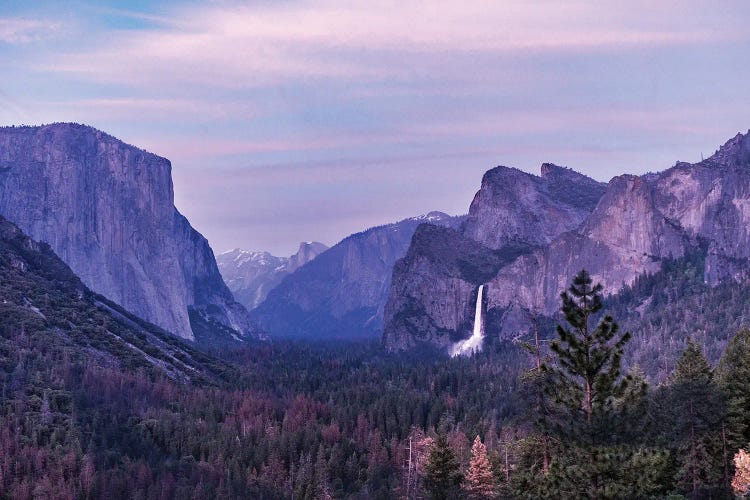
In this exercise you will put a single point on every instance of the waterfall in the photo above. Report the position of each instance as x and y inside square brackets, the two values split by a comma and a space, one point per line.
[473, 343]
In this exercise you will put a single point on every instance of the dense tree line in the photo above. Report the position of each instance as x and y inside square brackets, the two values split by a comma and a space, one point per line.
[589, 430]
[302, 421]
[602, 433]
[663, 309]
[297, 420]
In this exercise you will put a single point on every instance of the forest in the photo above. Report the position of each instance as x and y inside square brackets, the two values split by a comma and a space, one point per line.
[569, 413]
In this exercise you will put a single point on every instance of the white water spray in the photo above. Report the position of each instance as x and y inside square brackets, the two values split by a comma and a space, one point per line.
[473, 343]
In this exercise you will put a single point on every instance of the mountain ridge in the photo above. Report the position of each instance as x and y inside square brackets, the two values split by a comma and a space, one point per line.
[43, 301]
[513, 213]
[637, 224]
[342, 292]
[107, 209]
[250, 275]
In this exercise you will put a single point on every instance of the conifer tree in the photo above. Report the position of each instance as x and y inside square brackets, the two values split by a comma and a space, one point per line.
[586, 380]
[321, 488]
[697, 414]
[593, 411]
[480, 482]
[733, 375]
[443, 478]
[534, 381]
[631, 408]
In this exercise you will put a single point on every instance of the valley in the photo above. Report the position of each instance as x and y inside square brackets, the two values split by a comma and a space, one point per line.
[297, 397]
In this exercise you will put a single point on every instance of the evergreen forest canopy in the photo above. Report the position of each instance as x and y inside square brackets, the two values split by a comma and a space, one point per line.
[89, 410]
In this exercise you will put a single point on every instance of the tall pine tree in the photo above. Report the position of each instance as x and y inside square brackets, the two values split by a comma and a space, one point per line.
[733, 375]
[585, 381]
[443, 478]
[697, 412]
[593, 410]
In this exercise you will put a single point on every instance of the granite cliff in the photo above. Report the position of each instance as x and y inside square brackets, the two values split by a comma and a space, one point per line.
[107, 209]
[513, 206]
[342, 292]
[45, 307]
[631, 229]
[434, 286]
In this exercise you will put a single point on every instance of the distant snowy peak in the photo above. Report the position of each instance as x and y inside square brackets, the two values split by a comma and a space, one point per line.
[240, 257]
[251, 274]
[433, 216]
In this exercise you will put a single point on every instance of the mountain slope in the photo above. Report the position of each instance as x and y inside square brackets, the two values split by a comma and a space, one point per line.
[342, 292]
[639, 224]
[513, 213]
[107, 209]
[44, 305]
[251, 275]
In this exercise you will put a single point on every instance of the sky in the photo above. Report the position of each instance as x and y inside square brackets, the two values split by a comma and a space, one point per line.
[289, 121]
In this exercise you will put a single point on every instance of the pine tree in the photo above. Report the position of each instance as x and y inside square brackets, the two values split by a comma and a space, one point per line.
[87, 474]
[733, 375]
[631, 408]
[585, 381]
[592, 412]
[480, 482]
[696, 417]
[535, 405]
[442, 479]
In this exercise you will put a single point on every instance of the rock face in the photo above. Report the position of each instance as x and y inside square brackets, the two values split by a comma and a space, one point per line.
[342, 292]
[59, 313]
[251, 275]
[512, 214]
[434, 286]
[513, 206]
[107, 209]
[637, 225]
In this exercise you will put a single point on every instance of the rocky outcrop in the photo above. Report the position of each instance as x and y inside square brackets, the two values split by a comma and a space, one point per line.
[306, 252]
[513, 206]
[432, 296]
[434, 286]
[637, 225]
[107, 209]
[342, 292]
[251, 275]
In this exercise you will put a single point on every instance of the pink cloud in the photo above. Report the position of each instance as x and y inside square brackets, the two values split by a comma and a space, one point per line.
[246, 46]
[18, 30]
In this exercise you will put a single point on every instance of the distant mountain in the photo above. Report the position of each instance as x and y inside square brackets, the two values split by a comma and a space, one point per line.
[691, 216]
[251, 275]
[342, 292]
[45, 308]
[107, 209]
[434, 286]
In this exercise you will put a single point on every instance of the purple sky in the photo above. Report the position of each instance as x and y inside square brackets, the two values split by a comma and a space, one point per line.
[288, 121]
